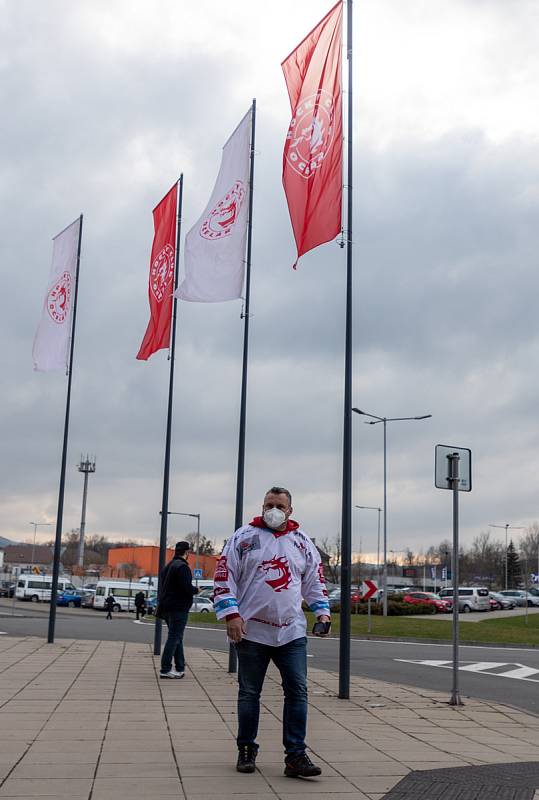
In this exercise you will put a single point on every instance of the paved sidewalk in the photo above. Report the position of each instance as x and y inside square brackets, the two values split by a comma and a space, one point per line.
[92, 720]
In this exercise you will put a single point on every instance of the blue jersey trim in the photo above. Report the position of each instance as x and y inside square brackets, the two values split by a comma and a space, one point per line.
[319, 605]
[222, 604]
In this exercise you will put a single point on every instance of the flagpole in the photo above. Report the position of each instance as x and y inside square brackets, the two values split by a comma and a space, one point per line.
[166, 472]
[346, 530]
[61, 491]
[240, 479]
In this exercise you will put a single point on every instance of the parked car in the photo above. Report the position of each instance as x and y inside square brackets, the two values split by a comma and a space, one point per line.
[534, 591]
[521, 597]
[334, 598]
[70, 598]
[88, 597]
[500, 602]
[429, 599]
[471, 598]
[204, 604]
[7, 589]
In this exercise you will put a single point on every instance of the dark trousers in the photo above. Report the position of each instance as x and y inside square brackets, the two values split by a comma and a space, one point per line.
[291, 661]
[109, 613]
[173, 649]
[141, 611]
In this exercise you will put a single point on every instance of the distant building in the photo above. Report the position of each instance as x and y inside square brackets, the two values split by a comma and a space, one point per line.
[135, 562]
[21, 557]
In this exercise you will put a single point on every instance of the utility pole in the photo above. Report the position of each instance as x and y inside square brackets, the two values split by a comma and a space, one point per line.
[86, 467]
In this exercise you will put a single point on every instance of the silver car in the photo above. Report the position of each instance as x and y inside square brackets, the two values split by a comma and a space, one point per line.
[503, 602]
[471, 598]
[521, 597]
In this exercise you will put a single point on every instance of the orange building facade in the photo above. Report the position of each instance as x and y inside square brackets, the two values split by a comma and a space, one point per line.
[135, 562]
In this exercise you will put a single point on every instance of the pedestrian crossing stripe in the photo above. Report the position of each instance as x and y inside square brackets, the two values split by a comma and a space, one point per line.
[498, 669]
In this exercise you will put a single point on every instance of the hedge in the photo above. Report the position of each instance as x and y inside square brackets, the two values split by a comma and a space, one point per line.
[395, 608]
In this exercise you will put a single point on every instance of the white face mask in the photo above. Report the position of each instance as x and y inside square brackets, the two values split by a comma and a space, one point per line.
[274, 518]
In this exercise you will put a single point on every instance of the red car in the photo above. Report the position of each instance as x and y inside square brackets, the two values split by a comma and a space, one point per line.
[429, 599]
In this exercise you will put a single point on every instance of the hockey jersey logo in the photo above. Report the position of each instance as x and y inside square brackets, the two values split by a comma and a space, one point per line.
[247, 545]
[279, 569]
[221, 570]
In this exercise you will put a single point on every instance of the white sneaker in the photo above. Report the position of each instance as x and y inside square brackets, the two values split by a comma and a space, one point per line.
[171, 674]
[177, 674]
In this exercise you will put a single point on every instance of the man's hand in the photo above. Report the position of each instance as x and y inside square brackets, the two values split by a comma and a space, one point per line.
[235, 629]
[323, 618]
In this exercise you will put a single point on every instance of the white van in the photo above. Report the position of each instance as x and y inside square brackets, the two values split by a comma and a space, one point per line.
[123, 592]
[471, 598]
[37, 588]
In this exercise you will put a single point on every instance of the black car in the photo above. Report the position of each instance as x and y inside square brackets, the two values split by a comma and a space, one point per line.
[7, 589]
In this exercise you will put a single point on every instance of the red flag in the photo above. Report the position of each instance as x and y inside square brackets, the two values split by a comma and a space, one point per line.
[312, 158]
[161, 282]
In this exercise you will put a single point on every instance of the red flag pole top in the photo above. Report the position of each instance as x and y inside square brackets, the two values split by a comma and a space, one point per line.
[312, 157]
[161, 280]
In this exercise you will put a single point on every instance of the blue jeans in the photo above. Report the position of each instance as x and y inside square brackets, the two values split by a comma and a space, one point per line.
[291, 661]
[173, 649]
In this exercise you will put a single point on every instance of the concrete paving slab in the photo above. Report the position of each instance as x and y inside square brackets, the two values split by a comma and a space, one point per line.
[79, 709]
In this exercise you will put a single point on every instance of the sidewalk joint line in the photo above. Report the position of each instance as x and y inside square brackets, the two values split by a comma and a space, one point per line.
[68, 689]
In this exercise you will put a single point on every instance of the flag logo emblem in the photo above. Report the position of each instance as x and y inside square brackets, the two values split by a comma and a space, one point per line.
[310, 133]
[220, 222]
[59, 297]
[162, 272]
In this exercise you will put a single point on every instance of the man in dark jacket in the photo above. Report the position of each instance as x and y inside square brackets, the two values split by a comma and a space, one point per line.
[140, 604]
[176, 592]
[109, 606]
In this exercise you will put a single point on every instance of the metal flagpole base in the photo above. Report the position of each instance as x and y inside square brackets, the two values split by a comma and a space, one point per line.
[455, 699]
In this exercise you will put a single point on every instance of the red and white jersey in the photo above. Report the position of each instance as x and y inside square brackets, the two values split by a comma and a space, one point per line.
[263, 575]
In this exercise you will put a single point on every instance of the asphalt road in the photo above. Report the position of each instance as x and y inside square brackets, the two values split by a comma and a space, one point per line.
[506, 675]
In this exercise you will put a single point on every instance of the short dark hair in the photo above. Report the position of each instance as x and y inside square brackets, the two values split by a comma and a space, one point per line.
[280, 490]
[181, 548]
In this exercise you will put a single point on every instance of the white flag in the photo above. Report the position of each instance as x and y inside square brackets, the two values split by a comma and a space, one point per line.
[51, 342]
[215, 246]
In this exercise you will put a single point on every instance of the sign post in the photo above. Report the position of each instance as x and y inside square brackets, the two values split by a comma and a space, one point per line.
[197, 575]
[368, 588]
[453, 470]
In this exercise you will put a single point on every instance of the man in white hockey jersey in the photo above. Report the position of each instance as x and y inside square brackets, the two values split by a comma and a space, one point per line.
[263, 573]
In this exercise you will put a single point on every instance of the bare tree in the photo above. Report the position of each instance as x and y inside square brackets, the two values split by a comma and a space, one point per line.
[409, 558]
[333, 548]
[206, 545]
[529, 547]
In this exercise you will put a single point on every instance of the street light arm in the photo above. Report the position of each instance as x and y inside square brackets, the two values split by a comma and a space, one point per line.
[398, 419]
[365, 414]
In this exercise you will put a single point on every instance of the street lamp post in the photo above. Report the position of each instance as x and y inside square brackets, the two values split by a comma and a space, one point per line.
[36, 526]
[376, 508]
[374, 421]
[513, 528]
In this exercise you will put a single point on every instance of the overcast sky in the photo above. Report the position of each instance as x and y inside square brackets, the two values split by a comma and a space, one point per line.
[104, 104]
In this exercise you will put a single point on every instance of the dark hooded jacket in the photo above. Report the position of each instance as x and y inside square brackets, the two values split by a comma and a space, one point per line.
[176, 588]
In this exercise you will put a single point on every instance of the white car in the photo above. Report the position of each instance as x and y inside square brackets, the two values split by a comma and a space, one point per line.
[202, 605]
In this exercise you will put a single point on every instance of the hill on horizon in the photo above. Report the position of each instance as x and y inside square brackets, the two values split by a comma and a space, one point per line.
[6, 542]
